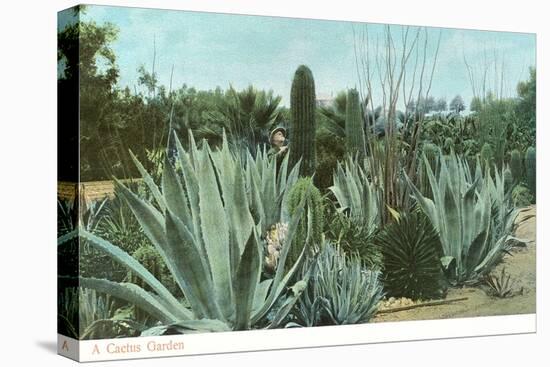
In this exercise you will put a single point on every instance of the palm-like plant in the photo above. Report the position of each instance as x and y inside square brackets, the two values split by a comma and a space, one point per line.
[248, 117]
[375, 119]
[336, 115]
[411, 250]
[205, 228]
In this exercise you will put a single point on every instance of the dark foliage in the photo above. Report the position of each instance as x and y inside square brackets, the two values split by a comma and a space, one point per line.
[411, 251]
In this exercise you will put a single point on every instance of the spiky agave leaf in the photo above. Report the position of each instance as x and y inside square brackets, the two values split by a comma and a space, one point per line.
[474, 239]
[357, 194]
[207, 236]
[500, 286]
[340, 291]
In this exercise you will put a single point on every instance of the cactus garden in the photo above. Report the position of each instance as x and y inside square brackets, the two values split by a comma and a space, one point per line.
[248, 200]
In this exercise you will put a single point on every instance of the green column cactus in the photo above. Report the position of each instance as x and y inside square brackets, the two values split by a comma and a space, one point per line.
[516, 165]
[313, 207]
[531, 170]
[355, 137]
[508, 179]
[302, 121]
[486, 155]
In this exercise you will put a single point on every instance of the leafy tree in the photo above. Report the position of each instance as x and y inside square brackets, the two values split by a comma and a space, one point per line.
[457, 104]
[148, 79]
[411, 106]
[441, 104]
[476, 105]
[430, 104]
[426, 105]
[527, 93]
[87, 67]
[111, 120]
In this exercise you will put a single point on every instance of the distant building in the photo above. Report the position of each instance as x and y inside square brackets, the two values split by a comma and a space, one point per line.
[324, 101]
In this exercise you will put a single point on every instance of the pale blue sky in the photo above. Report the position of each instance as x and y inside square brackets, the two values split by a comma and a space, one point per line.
[209, 50]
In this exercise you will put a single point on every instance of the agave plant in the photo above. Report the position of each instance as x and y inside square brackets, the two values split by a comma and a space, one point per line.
[352, 237]
[70, 215]
[500, 286]
[463, 211]
[207, 231]
[268, 188]
[86, 314]
[356, 194]
[341, 291]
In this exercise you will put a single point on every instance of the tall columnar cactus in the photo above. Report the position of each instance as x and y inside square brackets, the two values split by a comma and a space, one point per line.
[355, 137]
[531, 169]
[516, 165]
[303, 124]
[313, 213]
[508, 179]
[486, 154]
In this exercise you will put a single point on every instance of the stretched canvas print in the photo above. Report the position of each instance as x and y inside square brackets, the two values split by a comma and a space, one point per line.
[234, 182]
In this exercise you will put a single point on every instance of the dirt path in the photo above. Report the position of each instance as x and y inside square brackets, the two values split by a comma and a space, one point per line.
[522, 268]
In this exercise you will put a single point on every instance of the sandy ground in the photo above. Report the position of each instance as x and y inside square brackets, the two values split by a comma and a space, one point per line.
[522, 268]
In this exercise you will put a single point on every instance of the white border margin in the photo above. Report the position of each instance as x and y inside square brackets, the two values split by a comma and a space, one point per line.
[256, 340]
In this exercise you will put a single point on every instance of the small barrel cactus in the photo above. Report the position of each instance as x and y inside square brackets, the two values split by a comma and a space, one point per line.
[303, 124]
[521, 196]
[531, 170]
[516, 165]
[355, 137]
[149, 257]
[314, 207]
